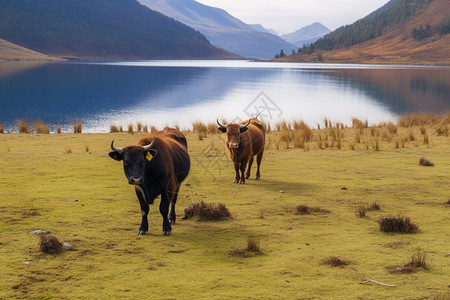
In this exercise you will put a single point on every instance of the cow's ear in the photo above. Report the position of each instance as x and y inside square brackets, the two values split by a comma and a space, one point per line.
[150, 154]
[222, 129]
[116, 155]
[244, 129]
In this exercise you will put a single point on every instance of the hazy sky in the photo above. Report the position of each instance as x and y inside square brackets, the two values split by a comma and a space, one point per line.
[289, 15]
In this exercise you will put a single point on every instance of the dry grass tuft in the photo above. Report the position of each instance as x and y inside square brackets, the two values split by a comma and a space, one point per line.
[425, 162]
[201, 129]
[417, 261]
[361, 212]
[206, 211]
[2, 129]
[77, 127]
[374, 206]
[22, 126]
[49, 244]
[41, 127]
[212, 128]
[113, 128]
[252, 249]
[58, 129]
[130, 128]
[304, 209]
[335, 261]
[397, 225]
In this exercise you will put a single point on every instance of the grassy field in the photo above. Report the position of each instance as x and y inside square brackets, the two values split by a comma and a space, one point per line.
[67, 184]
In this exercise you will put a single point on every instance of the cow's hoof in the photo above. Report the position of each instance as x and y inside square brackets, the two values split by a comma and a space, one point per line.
[236, 181]
[167, 232]
[257, 178]
[172, 222]
[142, 232]
[242, 182]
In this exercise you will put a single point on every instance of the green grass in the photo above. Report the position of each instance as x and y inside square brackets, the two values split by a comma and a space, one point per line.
[82, 197]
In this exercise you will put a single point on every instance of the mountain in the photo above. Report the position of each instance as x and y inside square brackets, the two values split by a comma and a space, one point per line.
[306, 35]
[222, 29]
[400, 32]
[100, 29]
[259, 27]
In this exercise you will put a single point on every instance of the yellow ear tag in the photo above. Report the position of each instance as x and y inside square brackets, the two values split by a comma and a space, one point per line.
[149, 156]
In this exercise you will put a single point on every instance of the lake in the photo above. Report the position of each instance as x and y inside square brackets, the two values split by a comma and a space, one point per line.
[161, 93]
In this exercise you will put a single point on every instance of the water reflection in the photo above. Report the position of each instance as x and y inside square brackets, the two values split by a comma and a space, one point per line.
[179, 92]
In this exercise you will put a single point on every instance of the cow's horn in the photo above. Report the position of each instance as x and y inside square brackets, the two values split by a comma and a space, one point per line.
[221, 124]
[248, 123]
[149, 146]
[115, 148]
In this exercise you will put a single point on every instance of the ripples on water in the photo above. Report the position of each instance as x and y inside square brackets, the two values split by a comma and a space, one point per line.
[172, 93]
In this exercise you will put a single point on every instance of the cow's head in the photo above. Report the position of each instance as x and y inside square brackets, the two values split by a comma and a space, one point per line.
[233, 133]
[134, 158]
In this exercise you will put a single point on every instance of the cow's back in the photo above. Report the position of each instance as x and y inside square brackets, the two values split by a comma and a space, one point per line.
[256, 133]
[170, 151]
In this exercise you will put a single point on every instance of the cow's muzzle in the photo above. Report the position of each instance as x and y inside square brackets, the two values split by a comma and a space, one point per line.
[135, 181]
[233, 145]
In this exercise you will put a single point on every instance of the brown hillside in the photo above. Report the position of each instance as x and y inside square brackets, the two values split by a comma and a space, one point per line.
[10, 51]
[396, 45]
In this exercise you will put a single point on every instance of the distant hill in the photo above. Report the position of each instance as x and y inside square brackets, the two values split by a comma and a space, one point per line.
[10, 51]
[100, 29]
[222, 29]
[259, 27]
[306, 35]
[400, 32]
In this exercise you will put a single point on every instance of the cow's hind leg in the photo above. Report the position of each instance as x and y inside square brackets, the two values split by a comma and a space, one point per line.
[174, 196]
[144, 209]
[258, 163]
[164, 210]
[250, 163]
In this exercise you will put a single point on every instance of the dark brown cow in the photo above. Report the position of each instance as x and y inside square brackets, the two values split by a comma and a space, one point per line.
[156, 166]
[244, 141]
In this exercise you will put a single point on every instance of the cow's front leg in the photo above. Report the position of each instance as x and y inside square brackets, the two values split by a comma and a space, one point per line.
[243, 165]
[144, 209]
[164, 210]
[237, 178]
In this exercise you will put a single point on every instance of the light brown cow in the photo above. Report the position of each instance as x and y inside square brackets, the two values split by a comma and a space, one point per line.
[244, 141]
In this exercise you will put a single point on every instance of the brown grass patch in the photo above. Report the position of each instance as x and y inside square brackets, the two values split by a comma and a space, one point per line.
[130, 128]
[206, 211]
[397, 225]
[304, 209]
[417, 261]
[113, 128]
[41, 127]
[49, 244]
[2, 129]
[252, 249]
[335, 261]
[425, 162]
[77, 127]
[361, 212]
[22, 126]
[58, 129]
[374, 206]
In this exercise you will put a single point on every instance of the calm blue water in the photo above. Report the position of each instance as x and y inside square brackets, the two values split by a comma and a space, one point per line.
[172, 93]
